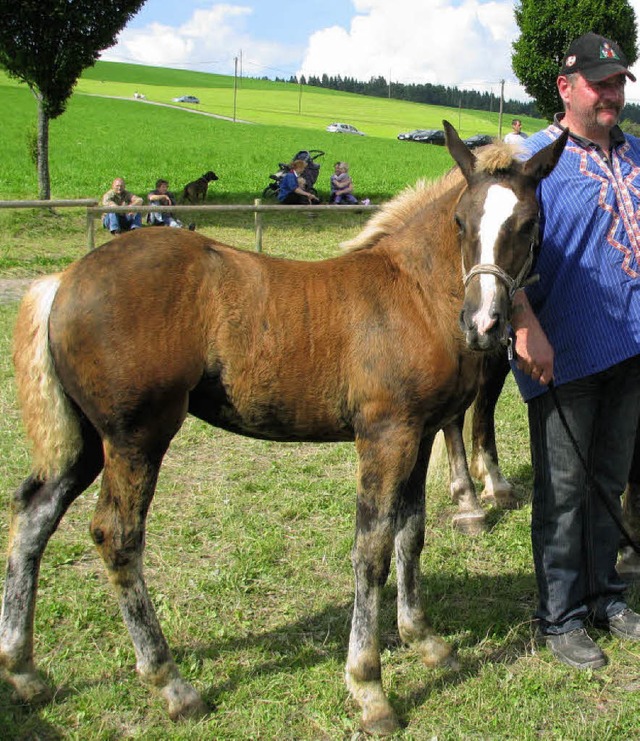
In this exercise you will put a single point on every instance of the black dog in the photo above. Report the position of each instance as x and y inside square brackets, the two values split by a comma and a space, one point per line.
[197, 190]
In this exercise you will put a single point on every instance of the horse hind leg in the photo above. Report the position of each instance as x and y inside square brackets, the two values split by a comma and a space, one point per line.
[67, 456]
[117, 528]
[37, 508]
[628, 565]
[470, 517]
[484, 466]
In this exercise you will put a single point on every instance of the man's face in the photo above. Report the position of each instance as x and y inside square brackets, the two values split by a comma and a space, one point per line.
[517, 126]
[592, 104]
[163, 187]
[118, 185]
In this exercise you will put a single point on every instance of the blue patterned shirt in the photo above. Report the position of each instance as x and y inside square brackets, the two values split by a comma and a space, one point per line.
[588, 296]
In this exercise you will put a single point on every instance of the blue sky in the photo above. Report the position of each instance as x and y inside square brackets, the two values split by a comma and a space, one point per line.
[466, 43]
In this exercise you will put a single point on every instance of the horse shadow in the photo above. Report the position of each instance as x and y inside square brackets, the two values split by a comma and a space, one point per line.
[324, 635]
[22, 722]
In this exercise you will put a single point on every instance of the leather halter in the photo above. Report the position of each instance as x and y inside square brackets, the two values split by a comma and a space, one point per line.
[513, 284]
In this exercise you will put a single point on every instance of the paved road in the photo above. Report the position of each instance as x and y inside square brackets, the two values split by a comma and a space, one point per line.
[165, 105]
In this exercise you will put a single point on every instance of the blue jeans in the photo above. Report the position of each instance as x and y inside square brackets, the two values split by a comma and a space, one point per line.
[121, 222]
[575, 540]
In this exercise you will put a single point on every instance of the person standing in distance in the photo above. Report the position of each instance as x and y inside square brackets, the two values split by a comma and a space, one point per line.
[516, 135]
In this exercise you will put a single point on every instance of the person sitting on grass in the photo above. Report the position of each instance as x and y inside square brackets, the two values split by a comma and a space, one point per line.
[289, 190]
[342, 185]
[120, 196]
[161, 196]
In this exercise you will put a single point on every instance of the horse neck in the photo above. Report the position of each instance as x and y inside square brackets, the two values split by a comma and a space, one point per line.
[428, 246]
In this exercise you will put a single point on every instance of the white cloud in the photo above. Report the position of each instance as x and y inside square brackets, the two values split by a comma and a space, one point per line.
[467, 44]
[463, 43]
[209, 41]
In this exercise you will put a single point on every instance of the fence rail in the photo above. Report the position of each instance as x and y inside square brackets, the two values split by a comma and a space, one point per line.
[258, 208]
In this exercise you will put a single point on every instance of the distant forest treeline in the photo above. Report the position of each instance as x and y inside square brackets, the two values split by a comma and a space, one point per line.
[451, 97]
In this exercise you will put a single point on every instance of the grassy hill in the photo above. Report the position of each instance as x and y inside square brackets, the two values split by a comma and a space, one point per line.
[105, 132]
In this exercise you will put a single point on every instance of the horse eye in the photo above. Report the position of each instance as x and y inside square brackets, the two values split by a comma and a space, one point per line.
[459, 224]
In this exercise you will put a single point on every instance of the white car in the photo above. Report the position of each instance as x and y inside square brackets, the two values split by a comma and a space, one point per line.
[342, 128]
[186, 99]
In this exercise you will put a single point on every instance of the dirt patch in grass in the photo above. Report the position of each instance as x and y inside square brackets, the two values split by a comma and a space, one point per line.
[12, 289]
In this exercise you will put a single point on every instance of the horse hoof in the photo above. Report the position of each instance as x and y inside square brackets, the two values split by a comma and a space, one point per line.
[30, 688]
[628, 566]
[184, 702]
[502, 498]
[470, 523]
[386, 726]
[434, 651]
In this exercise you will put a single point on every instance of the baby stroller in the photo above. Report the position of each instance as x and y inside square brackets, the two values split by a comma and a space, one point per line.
[310, 174]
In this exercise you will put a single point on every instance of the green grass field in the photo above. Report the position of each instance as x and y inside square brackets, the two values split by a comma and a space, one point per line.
[248, 544]
[98, 138]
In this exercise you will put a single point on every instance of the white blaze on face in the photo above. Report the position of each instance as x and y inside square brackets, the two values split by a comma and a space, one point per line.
[498, 207]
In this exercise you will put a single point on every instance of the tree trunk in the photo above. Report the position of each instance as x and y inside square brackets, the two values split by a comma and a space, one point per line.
[44, 184]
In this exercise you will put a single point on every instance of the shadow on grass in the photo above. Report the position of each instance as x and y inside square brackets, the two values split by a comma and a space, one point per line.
[487, 619]
[22, 722]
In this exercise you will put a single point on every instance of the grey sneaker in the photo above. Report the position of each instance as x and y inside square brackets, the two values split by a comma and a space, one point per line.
[625, 624]
[576, 649]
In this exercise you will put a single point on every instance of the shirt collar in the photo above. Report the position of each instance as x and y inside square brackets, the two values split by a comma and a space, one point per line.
[616, 135]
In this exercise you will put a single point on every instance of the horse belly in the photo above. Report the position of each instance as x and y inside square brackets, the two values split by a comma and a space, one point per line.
[268, 409]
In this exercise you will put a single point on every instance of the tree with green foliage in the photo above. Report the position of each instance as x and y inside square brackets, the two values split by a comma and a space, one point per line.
[47, 45]
[547, 28]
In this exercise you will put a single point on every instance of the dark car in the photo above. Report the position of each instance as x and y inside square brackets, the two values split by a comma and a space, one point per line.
[424, 136]
[479, 140]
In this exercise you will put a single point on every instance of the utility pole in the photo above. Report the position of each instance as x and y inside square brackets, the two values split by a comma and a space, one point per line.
[235, 86]
[501, 107]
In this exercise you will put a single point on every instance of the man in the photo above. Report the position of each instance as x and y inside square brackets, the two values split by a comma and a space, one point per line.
[120, 196]
[515, 137]
[579, 327]
[162, 197]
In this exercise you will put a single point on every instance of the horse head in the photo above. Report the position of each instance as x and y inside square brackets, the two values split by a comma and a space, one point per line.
[497, 219]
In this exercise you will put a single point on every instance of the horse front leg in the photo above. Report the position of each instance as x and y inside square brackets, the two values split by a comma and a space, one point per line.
[117, 528]
[484, 465]
[384, 464]
[413, 626]
[470, 517]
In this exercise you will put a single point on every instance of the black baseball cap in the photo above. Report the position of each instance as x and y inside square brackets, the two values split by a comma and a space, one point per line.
[596, 58]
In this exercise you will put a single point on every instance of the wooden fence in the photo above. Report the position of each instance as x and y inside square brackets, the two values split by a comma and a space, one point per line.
[258, 209]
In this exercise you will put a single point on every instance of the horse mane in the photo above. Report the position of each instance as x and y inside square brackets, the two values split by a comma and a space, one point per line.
[497, 157]
[397, 212]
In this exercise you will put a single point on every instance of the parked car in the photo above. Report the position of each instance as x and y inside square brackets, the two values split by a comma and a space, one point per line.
[424, 136]
[186, 99]
[342, 128]
[479, 140]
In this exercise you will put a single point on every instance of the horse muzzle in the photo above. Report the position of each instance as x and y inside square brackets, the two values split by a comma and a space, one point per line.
[485, 331]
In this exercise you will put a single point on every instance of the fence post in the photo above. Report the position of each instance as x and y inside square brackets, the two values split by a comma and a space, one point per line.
[91, 230]
[258, 222]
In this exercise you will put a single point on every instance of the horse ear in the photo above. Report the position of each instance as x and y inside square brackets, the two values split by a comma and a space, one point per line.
[541, 164]
[460, 152]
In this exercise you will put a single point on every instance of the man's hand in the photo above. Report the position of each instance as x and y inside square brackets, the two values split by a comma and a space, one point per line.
[533, 350]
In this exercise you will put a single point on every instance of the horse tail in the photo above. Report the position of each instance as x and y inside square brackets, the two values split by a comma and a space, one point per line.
[51, 423]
